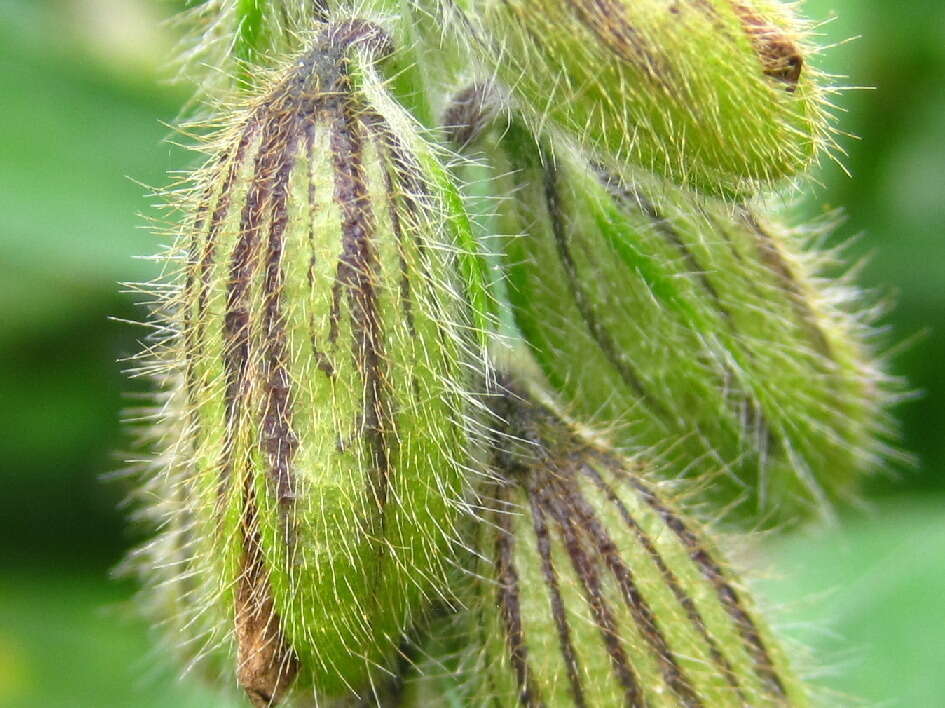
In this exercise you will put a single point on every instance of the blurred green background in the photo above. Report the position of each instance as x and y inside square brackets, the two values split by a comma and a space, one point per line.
[83, 92]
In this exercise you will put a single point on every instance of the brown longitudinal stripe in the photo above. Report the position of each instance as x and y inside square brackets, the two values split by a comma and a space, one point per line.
[414, 198]
[631, 199]
[511, 611]
[278, 438]
[607, 345]
[200, 260]
[484, 565]
[728, 596]
[754, 418]
[568, 653]
[357, 274]
[583, 564]
[607, 21]
[672, 582]
[197, 236]
[643, 617]
[244, 261]
[220, 211]
[771, 256]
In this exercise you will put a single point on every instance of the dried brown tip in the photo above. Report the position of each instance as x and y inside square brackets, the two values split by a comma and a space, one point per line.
[468, 114]
[780, 56]
[266, 664]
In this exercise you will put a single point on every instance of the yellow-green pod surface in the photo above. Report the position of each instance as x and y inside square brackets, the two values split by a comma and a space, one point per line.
[693, 328]
[713, 94]
[592, 589]
[323, 345]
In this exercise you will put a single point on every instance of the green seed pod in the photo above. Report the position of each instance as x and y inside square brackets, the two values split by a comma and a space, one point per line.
[716, 95]
[693, 328]
[591, 589]
[324, 338]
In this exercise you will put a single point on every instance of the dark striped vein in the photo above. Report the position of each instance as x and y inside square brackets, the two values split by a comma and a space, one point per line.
[263, 656]
[591, 587]
[728, 596]
[511, 611]
[607, 21]
[607, 345]
[669, 578]
[413, 196]
[772, 258]
[568, 652]
[219, 214]
[236, 325]
[195, 251]
[643, 616]
[200, 260]
[278, 438]
[753, 418]
[357, 276]
[485, 604]
[628, 198]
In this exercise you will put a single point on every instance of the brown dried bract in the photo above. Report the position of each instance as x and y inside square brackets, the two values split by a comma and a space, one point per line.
[266, 664]
[780, 56]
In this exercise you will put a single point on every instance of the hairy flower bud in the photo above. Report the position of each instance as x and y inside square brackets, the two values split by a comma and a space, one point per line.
[713, 94]
[324, 340]
[693, 328]
[592, 589]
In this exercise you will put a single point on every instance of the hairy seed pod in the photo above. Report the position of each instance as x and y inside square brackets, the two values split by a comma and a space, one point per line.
[324, 338]
[713, 94]
[694, 328]
[591, 589]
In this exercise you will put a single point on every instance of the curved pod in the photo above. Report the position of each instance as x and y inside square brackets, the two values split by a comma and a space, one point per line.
[694, 329]
[716, 95]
